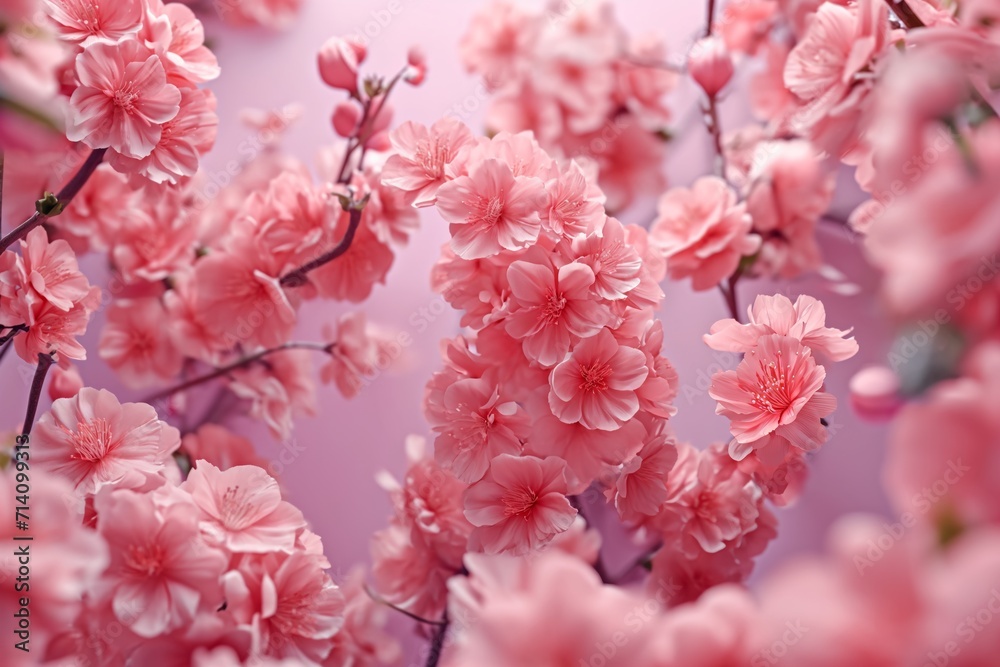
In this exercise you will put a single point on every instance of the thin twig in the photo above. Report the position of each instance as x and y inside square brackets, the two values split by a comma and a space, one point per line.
[225, 370]
[437, 643]
[382, 601]
[711, 18]
[62, 199]
[297, 277]
[44, 362]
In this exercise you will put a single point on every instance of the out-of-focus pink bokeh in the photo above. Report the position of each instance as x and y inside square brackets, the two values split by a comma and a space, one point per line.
[330, 466]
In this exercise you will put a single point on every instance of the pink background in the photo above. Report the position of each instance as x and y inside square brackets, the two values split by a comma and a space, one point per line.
[349, 441]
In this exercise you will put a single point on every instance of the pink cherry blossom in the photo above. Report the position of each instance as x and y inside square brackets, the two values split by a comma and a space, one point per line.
[575, 204]
[279, 389]
[551, 308]
[178, 37]
[491, 209]
[596, 386]
[497, 41]
[710, 64]
[641, 487]
[805, 320]
[703, 232]
[290, 601]
[161, 572]
[775, 389]
[363, 641]
[64, 382]
[421, 157]
[339, 59]
[355, 273]
[359, 351]
[587, 452]
[52, 330]
[135, 342]
[275, 14]
[49, 273]
[616, 264]
[407, 574]
[94, 441]
[89, 21]
[479, 426]
[123, 99]
[519, 505]
[241, 509]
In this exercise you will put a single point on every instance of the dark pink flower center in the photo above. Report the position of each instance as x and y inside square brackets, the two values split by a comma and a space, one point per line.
[432, 156]
[552, 307]
[772, 391]
[124, 97]
[519, 502]
[488, 211]
[594, 377]
[145, 559]
[91, 441]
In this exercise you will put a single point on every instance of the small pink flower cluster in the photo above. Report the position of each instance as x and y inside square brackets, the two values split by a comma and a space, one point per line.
[570, 75]
[216, 562]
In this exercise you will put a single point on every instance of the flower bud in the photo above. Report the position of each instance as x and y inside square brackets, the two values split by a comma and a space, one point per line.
[875, 393]
[339, 59]
[710, 65]
[346, 117]
[417, 70]
[64, 382]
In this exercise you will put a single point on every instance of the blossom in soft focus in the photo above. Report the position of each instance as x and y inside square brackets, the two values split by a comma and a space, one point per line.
[94, 441]
[710, 65]
[875, 393]
[703, 232]
[421, 157]
[339, 59]
[89, 21]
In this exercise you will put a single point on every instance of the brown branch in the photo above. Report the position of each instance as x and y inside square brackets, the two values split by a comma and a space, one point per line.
[44, 362]
[61, 200]
[297, 277]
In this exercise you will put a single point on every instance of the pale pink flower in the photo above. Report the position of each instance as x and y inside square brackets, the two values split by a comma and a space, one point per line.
[50, 272]
[703, 232]
[643, 88]
[716, 631]
[497, 42]
[576, 206]
[641, 487]
[183, 140]
[185, 323]
[875, 393]
[178, 37]
[491, 210]
[161, 572]
[479, 424]
[339, 59]
[789, 191]
[408, 574]
[241, 509]
[220, 447]
[597, 384]
[745, 25]
[421, 157]
[123, 98]
[98, 211]
[551, 308]
[280, 389]
[135, 342]
[87, 21]
[363, 641]
[775, 389]
[52, 330]
[769, 99]
[519, 506]
[289, 601]
[358, 351]
[805, 320]
[616, 264]
[355, 273]
[94, 441]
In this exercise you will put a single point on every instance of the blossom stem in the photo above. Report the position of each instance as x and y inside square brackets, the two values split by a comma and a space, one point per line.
[44, 362]
[62, 200]
[1, 188]
[367, 122]
[602, 571]
[729, 292]
[241, 363]
[710, 20]
[711, 110]
[297, 277]
[382, 601]
[437, 643]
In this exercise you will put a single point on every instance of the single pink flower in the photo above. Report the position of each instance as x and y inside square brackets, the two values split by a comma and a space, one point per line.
[420, 162]
[359, 352]
[178, 37]
[123, 98]
[185, 323]
[363, 641]
[703, 232]
[520, 505]
[408, 574]
[136, 343]
[805, 320]
[280, 389]
[641, 487]
[597, 384]
[273, 14]
[616, 264]
[87, 21]
[94, 441]
[552, 308]
[491, 210]
[355, 273]
[576, 206]
[775, 389]
[50, 272]
[479, 426]
[64, 382]
[241, 509]
[497, 42]
[52, 330]
[587, 452]
[161, 571]
[157, 239]
[290, 601]
[746, 25]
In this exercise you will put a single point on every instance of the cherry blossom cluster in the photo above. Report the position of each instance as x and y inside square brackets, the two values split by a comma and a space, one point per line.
[572, 76]
[149, 557]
